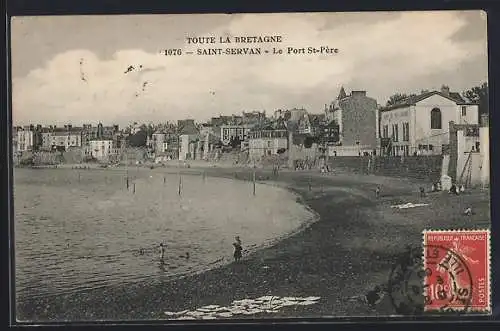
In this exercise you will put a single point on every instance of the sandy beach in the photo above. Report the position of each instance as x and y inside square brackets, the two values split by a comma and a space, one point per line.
[351, 249]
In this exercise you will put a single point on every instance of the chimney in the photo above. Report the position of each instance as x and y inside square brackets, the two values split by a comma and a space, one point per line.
[445, 90]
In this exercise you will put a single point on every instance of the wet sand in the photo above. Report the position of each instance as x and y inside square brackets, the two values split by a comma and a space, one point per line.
[346, 253]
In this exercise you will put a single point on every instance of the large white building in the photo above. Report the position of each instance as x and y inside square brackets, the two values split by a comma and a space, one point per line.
[25, 138]
[159, 142]
[266, 142]
[64, 139]
[420, 125]
[229, 131]
[101, 149]
[46, 140]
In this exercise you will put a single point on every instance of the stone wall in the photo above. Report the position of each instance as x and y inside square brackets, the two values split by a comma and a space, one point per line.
[300, 153]
[426, 168]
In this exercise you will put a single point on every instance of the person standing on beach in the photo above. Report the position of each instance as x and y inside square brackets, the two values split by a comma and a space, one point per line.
[237, 249]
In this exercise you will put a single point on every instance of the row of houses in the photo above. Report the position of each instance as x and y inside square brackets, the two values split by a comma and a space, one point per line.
[94, 142]
[349, 125]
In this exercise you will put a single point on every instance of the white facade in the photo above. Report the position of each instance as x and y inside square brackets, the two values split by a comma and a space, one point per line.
[184, 147]
[46, 140]
[159, 142]
[267, 143]
[101, 149]
[66, 140]
[24, 140]
[413, 131]
[228, 131]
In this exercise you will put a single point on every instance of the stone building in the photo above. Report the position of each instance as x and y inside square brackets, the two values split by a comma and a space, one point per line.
[356, 116]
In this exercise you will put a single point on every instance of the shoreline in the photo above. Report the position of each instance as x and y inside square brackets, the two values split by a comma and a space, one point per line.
[338, 256]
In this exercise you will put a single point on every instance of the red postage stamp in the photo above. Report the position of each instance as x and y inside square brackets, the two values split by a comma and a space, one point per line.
[457, 270]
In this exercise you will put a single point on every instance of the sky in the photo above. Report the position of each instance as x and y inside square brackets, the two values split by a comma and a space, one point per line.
[71, 69]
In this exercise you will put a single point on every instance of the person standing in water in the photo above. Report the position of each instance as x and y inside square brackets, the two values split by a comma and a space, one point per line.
[237, 249]
[162, 251]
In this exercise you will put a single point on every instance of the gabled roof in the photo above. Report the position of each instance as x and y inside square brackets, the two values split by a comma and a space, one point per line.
[411, 101]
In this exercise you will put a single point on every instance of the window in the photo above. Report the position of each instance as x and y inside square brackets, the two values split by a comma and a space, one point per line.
[406, 131]
[436, 118]
[395, 133]
[464, 110]
[385, 132]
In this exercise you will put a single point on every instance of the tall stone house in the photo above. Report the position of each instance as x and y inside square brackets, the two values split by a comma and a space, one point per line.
[357, 118]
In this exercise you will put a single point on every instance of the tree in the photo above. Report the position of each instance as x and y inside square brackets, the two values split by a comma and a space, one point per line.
[479, 95]
[308, 142]
[137, 140]
[398, 98]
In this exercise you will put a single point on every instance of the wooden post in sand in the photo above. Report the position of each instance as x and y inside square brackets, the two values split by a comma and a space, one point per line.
[127, 182]
[180, 185]
[254, 182]
[134, 189]
[164, 180]
[79, 177]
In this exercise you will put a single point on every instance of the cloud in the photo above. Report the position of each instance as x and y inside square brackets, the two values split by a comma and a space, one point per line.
[384, 55]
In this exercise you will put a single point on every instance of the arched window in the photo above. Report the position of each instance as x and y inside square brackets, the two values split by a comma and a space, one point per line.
[436, 118]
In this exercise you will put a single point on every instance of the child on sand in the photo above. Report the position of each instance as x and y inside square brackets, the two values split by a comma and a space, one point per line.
[237, 249]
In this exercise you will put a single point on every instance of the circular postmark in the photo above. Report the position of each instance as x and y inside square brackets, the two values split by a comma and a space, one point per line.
[432, 279]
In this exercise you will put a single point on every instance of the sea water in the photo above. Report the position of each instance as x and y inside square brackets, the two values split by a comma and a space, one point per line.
[81, 229]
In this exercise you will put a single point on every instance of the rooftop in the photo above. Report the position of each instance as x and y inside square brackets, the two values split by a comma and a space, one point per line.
[412, 100]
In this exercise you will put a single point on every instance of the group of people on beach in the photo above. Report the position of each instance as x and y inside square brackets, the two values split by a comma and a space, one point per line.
[238, 250]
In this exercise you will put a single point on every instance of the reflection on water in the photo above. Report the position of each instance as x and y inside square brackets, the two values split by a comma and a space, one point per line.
[79, 229]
